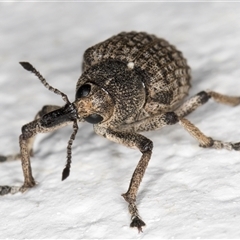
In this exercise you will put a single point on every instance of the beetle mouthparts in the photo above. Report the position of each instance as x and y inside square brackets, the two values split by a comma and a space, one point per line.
[65, 114]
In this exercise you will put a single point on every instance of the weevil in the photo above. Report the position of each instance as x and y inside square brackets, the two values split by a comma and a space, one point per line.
[131, 83]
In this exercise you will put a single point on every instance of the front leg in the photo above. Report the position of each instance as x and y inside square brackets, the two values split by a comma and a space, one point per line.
[145, 146]
[46, 123]
[45, 109]
[28, 133]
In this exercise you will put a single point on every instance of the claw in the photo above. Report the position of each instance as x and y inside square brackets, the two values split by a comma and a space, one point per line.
[138, 223]
[7, 189]
[236, 146]
[3, 158]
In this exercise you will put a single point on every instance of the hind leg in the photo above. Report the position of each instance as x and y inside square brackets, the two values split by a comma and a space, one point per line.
[201, 98]
[161, 120]
[197, 101]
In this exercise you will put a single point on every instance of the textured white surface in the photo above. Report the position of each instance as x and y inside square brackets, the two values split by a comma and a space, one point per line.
[187, 192]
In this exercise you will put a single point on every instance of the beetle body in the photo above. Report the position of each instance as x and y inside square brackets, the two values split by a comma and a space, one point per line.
[132, 82]
[143, 75]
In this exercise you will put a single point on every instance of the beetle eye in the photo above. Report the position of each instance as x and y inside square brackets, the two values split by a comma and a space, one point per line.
[94, 118]
[83, 91]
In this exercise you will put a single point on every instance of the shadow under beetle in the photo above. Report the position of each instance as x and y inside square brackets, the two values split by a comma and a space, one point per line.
[132, 82]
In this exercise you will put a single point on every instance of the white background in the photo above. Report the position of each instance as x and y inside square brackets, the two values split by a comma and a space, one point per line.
[187, 191]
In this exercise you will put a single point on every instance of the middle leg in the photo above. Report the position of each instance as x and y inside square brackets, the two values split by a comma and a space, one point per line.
[46, 123]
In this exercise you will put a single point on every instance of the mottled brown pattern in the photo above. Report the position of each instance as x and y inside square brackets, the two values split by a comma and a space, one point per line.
[131, 83]
[166, 73]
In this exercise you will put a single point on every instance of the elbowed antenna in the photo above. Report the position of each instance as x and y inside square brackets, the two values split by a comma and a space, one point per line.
[30, 68]
[66, 170]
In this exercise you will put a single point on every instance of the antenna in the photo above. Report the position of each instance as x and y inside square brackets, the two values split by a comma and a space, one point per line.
[66, 170]
[30, 68]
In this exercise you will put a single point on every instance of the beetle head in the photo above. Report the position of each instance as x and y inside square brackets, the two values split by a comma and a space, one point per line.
[93, 103]
[110, 92]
